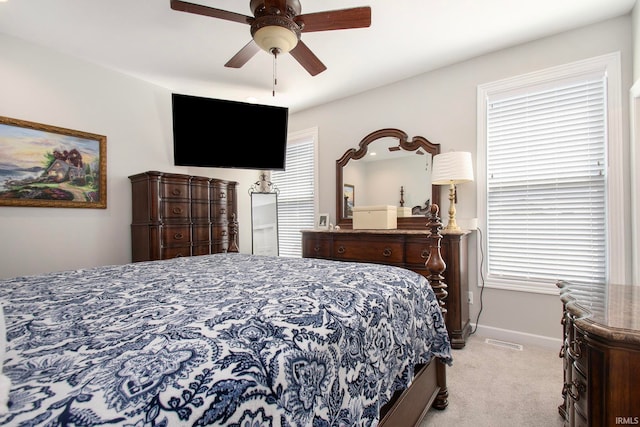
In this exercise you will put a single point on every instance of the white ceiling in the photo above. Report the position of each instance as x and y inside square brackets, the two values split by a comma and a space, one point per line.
[186, 53]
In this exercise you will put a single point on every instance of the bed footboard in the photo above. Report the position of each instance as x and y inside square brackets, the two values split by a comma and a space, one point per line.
[427, 390]
[429, 386]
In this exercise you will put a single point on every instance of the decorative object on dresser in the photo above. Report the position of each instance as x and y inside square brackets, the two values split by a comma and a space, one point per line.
[601, 354]
[175, 215]
[452, 168]
[323, 221]
[384, 217]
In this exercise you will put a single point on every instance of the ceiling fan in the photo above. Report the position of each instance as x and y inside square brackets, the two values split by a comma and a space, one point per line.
[277, 25]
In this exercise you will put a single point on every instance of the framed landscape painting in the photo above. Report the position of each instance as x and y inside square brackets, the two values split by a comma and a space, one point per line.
[349, 195]
[49, 166]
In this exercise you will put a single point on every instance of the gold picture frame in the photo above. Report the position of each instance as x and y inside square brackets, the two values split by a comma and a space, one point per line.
[49, 166]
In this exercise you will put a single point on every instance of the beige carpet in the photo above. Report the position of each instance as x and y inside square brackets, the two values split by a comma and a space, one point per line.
[498, 386]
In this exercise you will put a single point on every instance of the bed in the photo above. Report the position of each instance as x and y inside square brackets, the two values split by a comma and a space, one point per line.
[224, 339]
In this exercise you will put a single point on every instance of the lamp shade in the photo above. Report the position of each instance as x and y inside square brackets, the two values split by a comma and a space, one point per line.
[454, 167]
[275, 37]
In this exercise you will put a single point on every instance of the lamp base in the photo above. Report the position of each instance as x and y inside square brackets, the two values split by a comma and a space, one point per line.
[452, 229]
[452, 226]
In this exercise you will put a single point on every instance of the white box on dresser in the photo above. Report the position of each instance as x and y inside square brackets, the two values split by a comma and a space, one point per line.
[381, 217]
[403, 212]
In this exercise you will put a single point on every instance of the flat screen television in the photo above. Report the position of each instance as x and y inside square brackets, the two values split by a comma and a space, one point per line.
[219, 133]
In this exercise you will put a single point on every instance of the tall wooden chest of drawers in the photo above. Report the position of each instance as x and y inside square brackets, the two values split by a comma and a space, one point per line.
[601, 355]
[177, 215]
[404, 248]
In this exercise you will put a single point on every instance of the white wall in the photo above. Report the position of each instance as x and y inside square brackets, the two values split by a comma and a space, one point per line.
[635, 17]
[441, 106]
[635, 148]
[42, 86]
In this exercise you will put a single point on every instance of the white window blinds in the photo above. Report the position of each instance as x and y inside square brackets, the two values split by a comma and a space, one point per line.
[296, 197]
[546, 184]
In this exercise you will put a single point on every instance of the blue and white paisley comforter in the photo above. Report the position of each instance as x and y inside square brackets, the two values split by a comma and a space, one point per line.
[225, 339]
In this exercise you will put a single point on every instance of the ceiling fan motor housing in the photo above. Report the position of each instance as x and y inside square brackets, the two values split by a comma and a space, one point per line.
[274, 30]
[258, 8]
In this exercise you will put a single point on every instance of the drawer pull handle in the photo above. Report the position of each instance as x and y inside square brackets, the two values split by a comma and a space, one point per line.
[223, 195]
[176, 192]
[178, 236]
[223, 211]
[223, 232]
[580, 388]
[574, 349]
[177, 210]
[316, 249]
[425, 254]
[387, 252]
[341, 250]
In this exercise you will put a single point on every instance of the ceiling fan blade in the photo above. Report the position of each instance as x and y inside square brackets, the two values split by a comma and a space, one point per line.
[307, 59]
[342, 19]
[199, 9]
[243, 56]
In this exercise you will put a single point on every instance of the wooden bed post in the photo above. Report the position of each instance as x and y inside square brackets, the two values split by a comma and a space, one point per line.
[233, 234]
[436, 266]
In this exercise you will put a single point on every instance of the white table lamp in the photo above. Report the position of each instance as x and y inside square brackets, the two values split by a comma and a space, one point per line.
[452, 168]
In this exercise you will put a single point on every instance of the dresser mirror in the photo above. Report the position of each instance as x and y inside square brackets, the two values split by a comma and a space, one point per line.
[387, 169]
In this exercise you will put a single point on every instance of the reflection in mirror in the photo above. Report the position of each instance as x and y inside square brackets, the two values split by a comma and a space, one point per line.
[387, 169]
[384, 177]
[264, 223]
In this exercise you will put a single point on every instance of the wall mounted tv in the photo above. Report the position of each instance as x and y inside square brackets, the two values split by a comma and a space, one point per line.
[219, 133]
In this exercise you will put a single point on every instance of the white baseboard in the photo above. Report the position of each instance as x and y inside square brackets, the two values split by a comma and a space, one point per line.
[517, 337]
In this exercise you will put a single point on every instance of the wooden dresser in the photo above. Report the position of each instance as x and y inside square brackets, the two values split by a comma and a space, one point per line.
[405, 248]
[601, 354]
[177, 215]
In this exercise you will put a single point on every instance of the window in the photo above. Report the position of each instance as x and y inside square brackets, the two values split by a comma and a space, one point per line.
[297, 185]
[547, 201]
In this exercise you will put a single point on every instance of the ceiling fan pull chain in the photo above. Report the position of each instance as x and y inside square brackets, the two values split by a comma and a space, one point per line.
[275, 70]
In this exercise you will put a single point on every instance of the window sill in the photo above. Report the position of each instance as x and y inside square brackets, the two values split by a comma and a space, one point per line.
[522, 286]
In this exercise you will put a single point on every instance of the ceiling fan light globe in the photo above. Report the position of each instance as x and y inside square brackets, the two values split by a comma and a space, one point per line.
[273, 37]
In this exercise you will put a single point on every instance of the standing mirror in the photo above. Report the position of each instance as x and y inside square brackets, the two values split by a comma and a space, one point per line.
[264, 217]
[387, 169]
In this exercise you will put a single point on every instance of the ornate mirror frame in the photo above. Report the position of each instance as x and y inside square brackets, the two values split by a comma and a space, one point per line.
[414, 222]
